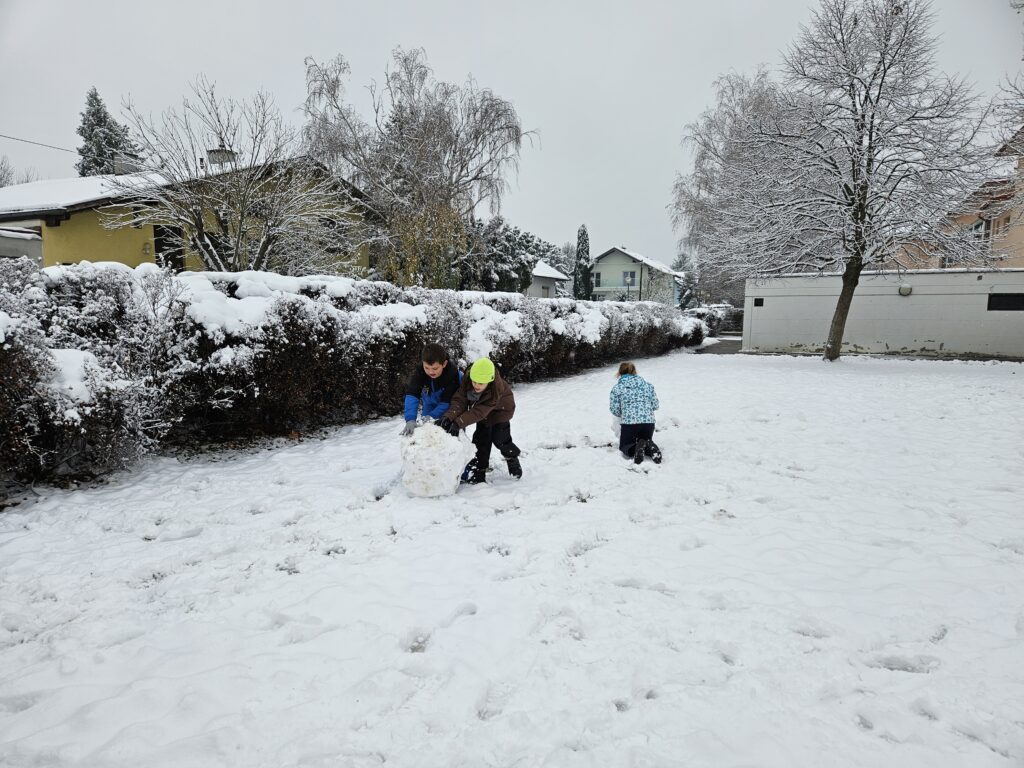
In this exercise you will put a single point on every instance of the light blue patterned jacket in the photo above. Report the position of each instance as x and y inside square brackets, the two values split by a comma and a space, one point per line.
[633, 400]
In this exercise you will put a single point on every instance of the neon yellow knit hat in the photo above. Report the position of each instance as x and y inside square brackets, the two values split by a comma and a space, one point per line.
[482, 371]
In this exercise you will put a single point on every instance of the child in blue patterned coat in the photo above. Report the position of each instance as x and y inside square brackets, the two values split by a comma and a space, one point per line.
[634, 401]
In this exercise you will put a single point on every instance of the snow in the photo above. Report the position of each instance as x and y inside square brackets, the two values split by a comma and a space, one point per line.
[7, 324]
[70, 375]
[827, 570]
[488, 328]
[219, 313]
[55, 194]
[433, 460]
[253, 283]
[543, 269]
[19, 233]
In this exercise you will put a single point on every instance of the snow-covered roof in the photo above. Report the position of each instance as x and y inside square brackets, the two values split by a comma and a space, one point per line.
[58, 195]
[651, 263]
[543, 269]
[18, 233]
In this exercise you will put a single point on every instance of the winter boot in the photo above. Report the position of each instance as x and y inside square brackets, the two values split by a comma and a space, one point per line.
[514, 467]
[638, 450]
[653, 452]
[471, 474]
[476, 477]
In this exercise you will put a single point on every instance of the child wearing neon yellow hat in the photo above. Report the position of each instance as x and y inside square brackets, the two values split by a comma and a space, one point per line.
[484, 398]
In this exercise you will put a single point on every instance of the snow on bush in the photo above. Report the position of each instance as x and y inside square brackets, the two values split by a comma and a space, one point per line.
[213, 356]
[433, 460]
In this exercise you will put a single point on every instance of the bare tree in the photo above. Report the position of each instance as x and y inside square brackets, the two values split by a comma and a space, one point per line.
[9, 175]
[429, 145]
[227, 181]
[855, 160]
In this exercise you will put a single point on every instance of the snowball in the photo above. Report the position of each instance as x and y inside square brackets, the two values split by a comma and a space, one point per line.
[433, 460]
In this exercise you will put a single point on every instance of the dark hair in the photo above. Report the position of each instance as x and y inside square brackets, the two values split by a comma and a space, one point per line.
[434, 354]
[625, 368]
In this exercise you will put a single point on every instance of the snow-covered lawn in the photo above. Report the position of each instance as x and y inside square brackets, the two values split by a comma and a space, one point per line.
[827, 570]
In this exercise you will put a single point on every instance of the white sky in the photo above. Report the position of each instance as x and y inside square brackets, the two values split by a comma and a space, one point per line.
[607, 86]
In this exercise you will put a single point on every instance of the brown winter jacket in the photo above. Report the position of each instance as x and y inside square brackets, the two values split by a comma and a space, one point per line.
[495, 406]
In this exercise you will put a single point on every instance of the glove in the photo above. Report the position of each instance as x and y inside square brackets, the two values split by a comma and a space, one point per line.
[449, 426]
[410, 427]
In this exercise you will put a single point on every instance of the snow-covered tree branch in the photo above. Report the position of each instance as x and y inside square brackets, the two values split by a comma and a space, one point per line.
[228, 180]
[856, 158]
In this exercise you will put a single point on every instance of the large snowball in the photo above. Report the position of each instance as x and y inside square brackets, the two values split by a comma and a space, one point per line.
[433, 460]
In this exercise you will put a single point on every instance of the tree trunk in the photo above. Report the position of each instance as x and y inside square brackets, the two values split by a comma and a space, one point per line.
[851, 276]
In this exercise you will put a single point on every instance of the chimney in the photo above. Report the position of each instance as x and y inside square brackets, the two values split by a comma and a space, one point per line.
[220, 156]
[125, 162]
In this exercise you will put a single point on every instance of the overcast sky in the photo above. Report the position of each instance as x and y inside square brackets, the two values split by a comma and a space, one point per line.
[608, 87]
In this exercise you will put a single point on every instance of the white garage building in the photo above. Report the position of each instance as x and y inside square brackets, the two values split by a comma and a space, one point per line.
[938, 312]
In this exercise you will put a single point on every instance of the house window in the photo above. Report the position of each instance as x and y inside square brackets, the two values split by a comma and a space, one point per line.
[629, 278]
[981, 230]
[1006, 302]
[545, 292]
[597, 279]
[758, 302]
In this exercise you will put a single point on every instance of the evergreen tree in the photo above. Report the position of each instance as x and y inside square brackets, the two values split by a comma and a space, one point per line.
[102, 138]
[583, 282]
[689, 288]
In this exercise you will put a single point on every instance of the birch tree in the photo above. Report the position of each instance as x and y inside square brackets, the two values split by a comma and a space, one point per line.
[428, 144]
[227, 180]
[853, 160]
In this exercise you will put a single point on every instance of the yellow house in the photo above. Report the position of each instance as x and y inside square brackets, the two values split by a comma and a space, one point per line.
[66, 217]
[62, 221]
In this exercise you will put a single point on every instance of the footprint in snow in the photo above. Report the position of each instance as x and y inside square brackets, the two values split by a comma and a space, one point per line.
[19, 702]
[417, 639]
[918, 665]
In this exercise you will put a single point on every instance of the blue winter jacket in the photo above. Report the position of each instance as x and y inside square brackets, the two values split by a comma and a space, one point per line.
[633, 400]
[436, 394]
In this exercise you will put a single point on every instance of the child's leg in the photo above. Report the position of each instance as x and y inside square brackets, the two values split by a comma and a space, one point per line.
[627, 439]
[651, 448]
[501, 436]
[482, 440]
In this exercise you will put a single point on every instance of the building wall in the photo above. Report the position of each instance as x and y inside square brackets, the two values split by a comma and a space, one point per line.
[946, 313]
[83, 238]
[656, 286]
[538, 285]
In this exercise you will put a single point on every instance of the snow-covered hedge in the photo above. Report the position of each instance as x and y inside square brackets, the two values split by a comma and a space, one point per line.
[99, 363]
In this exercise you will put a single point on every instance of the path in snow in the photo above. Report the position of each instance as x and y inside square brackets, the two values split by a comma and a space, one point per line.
[828, 569]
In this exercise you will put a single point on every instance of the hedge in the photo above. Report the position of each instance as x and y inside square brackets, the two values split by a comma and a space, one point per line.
[100, 363]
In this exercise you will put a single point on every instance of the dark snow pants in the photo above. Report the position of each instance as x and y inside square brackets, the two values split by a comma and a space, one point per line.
[630, 434]
[498, 435]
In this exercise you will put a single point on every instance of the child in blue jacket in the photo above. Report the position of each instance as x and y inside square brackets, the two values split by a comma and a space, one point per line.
[634, 401]
[431, 385]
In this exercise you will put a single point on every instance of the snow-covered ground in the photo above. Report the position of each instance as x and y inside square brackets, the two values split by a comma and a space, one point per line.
[827, 570]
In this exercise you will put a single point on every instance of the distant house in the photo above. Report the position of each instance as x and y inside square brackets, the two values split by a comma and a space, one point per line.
[546, 280]
[992, 215]
[619, 272]
[64, 214]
